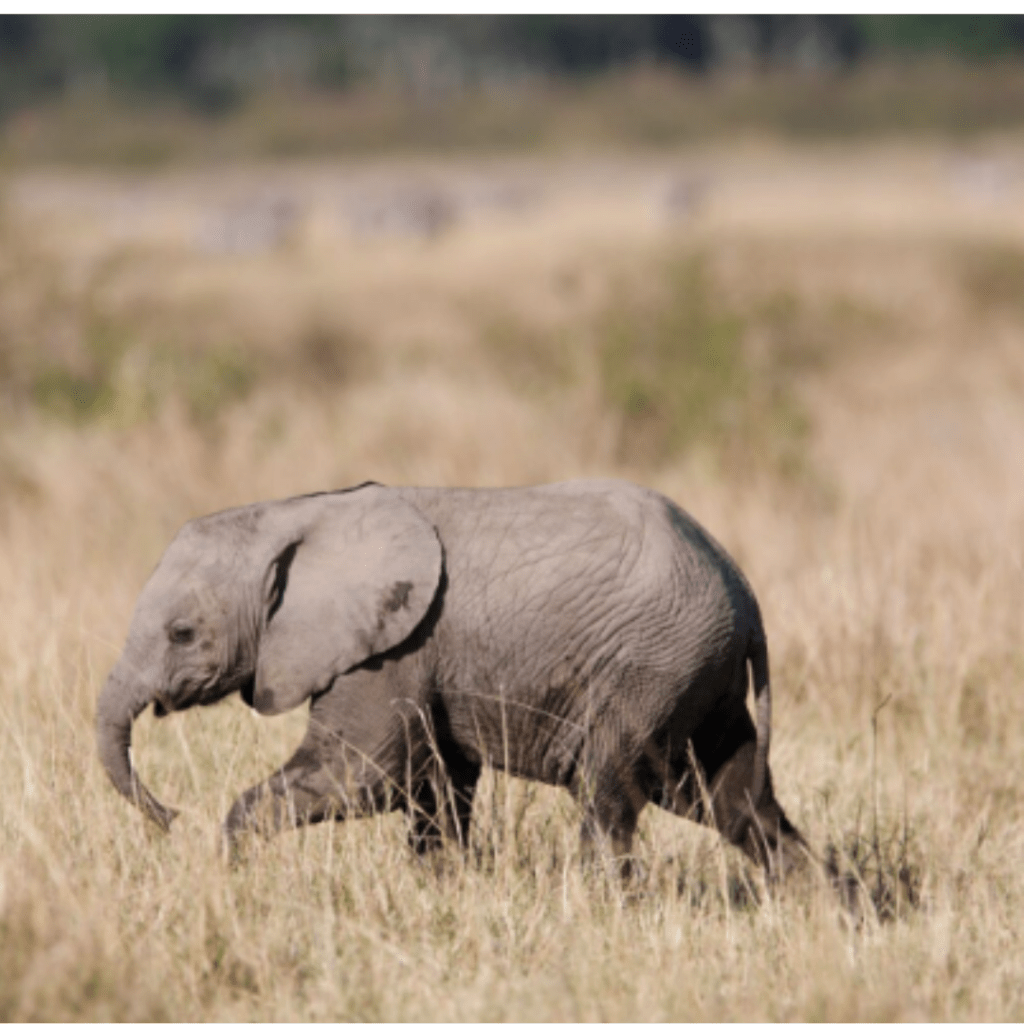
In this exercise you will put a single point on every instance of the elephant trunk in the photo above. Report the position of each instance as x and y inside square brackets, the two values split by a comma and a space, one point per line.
[119, 706]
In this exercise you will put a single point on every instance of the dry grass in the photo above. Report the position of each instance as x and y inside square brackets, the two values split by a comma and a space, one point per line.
[852, 320]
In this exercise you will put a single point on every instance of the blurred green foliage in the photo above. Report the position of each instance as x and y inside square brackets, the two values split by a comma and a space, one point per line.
[678, 368]
[680, 365]
[673, 368]
[973, 36]
[147, 90]
[126, 377]
[211, 62]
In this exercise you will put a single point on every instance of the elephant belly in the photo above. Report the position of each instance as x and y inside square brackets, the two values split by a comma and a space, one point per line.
[588, 711]
[533, 735]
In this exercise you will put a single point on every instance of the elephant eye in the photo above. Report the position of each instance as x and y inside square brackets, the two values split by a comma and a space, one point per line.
[181, 634]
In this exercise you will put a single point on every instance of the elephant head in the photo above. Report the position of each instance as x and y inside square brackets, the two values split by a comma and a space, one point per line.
[273, 600]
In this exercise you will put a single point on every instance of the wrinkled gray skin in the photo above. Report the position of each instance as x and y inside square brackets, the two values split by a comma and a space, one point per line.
[587, 634]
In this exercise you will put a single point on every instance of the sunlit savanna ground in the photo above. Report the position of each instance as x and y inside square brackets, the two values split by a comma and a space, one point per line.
[818, 352]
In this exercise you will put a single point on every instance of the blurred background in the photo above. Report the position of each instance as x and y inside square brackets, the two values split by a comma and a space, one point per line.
[505, 82]
[199, 210]
[683, 231]
[770, 265]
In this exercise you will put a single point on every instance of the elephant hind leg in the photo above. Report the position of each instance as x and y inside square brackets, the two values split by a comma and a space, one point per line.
[714, 787]
[763, 833]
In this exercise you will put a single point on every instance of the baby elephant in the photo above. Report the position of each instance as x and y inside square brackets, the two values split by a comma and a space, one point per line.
[587, 634]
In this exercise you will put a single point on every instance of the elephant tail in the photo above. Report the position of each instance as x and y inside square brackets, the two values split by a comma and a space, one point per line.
[757, 652]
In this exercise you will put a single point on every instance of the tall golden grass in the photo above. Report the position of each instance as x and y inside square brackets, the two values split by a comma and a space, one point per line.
[822, 358]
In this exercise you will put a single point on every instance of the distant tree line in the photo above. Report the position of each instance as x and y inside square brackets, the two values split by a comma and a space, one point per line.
[213, 61]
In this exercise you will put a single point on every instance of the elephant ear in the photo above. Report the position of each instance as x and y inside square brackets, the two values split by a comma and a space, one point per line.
[356, 576]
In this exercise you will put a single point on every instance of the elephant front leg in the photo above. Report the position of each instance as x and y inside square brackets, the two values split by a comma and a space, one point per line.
[442, 801]
[442, 808]
[309, 788]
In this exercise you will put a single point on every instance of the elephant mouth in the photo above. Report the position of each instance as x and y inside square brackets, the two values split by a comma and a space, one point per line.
[200, 690]
[248, 691]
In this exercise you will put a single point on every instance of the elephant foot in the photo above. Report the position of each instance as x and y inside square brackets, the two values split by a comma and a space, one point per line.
[609, 825]
[441, 812]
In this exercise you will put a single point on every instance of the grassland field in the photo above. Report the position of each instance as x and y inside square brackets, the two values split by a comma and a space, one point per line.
[818, 350]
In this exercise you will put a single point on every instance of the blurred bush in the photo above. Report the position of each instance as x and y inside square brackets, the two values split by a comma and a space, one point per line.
[213, 63]
[993, 276]
[673, 368]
